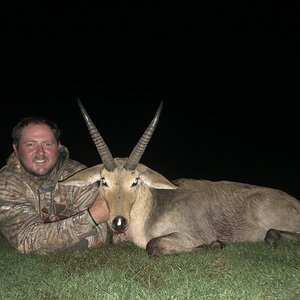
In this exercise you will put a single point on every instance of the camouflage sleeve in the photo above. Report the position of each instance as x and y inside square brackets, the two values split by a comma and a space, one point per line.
[23, 227]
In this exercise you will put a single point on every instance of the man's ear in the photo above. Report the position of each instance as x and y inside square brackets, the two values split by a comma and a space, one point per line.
[15, 147]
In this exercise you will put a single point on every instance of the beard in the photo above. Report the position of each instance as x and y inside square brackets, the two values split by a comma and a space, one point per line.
[36, 170]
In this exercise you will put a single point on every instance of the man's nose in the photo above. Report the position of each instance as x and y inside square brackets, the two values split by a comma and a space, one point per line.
[40, 149]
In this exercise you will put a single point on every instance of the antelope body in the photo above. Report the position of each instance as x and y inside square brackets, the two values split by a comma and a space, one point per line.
[167, 217]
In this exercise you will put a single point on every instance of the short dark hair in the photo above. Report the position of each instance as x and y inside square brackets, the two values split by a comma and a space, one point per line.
[17, 130]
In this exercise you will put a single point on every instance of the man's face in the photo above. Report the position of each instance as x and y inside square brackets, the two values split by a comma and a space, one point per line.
[37, 149]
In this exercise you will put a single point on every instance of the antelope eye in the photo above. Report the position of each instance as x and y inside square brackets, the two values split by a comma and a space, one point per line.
[135, 183]
[103, 181]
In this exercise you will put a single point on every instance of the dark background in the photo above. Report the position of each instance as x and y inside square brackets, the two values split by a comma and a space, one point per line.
[227, 73]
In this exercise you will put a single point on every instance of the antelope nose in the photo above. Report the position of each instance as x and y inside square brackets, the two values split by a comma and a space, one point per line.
[119, 224]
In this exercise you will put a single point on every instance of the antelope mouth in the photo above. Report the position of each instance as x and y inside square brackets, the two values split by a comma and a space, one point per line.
[118, 237]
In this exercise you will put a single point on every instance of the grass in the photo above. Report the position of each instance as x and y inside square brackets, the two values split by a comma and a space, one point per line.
[123, 271]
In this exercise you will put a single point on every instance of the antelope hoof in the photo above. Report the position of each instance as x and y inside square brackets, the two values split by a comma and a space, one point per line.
[272, 237]
[217, 245]
[152, 250]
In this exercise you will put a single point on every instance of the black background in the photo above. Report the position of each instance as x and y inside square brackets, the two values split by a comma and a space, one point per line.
[227, 73]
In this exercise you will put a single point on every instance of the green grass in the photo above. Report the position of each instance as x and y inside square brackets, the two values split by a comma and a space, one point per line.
[123, 271]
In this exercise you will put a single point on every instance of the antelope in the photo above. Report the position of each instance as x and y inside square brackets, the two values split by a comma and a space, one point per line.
[170, 217]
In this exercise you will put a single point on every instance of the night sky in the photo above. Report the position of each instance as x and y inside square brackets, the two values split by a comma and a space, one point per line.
[227, 74]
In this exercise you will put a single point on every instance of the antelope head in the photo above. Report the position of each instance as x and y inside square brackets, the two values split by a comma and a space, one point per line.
[123, 182]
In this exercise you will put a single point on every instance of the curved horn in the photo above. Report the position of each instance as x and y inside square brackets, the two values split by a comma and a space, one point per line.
[140, 147]
[102, 148]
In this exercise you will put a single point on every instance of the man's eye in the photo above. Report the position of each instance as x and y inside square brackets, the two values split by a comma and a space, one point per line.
[48, 145]
[30, 145]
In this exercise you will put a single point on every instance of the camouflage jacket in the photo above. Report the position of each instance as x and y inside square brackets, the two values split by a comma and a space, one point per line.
[38, 215]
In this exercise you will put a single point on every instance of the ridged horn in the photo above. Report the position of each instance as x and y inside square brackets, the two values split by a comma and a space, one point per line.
[102, 148]
[140, 147]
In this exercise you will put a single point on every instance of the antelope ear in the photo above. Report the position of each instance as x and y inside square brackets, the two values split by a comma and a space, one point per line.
[155, 180]
[84, 177]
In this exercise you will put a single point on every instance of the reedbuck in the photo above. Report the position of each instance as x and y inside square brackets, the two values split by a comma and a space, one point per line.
[184, 215]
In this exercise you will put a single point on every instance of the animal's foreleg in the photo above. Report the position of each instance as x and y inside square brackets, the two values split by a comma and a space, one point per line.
[174, 243]
[169, 244]
[274, 235]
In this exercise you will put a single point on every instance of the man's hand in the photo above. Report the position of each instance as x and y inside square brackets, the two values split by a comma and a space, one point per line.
[99, 210]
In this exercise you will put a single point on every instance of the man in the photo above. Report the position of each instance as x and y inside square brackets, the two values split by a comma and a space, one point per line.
[37, 214]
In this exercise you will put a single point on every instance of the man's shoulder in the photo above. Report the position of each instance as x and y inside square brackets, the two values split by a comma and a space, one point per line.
[71, 167]
[75, 164]
[3, 175]
[66, 162]
[6, 171]
[9, 177]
